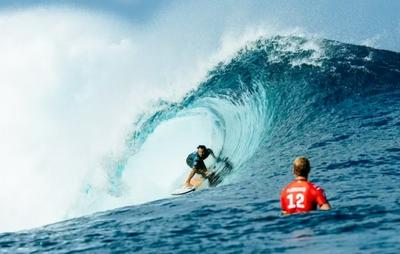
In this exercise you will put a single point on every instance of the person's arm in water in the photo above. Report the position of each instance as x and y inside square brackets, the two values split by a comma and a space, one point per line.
[322, 200]
[325, 207]
[283, 205]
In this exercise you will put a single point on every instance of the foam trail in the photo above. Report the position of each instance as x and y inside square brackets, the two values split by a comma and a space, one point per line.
[57, 114]
[71, 86]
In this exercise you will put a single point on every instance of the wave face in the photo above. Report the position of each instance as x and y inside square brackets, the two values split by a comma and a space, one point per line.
[276, 99]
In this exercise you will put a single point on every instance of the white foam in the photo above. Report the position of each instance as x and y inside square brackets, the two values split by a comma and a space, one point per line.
[71, 85]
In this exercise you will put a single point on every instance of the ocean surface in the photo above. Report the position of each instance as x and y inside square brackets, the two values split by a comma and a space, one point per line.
[277, 98]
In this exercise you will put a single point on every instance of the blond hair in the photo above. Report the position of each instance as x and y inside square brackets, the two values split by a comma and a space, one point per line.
[301, 166]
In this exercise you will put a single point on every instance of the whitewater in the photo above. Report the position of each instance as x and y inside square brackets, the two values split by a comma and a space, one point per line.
[96, 127]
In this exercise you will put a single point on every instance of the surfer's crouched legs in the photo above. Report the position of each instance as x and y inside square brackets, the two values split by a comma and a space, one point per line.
[203, 172]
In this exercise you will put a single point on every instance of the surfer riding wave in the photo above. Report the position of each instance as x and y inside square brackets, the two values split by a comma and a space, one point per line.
[195, 161]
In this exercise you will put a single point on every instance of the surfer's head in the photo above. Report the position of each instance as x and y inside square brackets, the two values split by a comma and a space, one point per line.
[301, 166]
[201, 150]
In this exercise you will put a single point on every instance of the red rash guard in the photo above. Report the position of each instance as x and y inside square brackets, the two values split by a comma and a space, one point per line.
[301, 196]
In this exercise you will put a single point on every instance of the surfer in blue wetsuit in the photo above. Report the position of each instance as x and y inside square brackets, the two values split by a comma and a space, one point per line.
[195, 161]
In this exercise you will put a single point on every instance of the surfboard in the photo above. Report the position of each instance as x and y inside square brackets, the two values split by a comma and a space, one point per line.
[196, 182]
[183, 190]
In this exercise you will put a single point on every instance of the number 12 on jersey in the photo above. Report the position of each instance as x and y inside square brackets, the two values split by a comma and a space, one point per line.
[295, 200]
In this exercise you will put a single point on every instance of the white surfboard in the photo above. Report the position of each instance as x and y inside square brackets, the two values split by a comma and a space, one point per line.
[196, 182]
[183, 190]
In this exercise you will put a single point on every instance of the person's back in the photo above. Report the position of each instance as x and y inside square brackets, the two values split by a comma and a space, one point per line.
[301, 195]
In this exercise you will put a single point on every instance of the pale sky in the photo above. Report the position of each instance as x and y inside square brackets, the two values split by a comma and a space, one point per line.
[371, 22]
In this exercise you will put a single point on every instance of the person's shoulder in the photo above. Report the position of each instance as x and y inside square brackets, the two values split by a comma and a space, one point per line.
[286, 187]
[315, 186]
[291, 183]
[283, 191]
[193, 155]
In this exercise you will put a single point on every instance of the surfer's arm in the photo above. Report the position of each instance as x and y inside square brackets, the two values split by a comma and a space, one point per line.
[190, 177]
[212, 153]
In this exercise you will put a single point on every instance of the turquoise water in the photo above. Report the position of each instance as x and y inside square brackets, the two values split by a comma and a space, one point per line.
[278, 98]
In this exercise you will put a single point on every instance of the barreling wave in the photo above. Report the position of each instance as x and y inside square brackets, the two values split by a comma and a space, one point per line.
[272, 87]
[275, 99]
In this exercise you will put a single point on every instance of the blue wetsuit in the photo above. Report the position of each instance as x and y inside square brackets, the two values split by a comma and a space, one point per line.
[194, 161]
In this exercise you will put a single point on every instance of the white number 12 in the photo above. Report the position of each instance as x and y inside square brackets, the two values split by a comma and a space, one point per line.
[299, 201]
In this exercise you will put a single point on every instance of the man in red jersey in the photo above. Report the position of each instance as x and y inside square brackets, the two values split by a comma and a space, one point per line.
[301, 195]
